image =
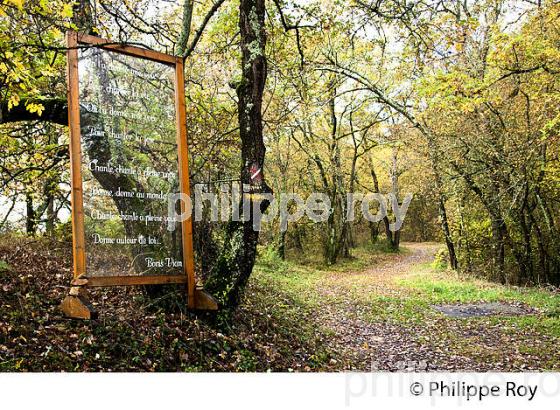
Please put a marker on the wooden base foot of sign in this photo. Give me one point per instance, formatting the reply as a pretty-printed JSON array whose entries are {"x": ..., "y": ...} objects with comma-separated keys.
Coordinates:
[
  {"x": 204, "y": 301},
  {"x": 77, "y": 306}
]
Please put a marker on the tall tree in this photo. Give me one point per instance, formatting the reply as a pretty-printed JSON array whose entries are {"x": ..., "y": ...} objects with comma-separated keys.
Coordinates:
[{"x": 237, "y": 257}]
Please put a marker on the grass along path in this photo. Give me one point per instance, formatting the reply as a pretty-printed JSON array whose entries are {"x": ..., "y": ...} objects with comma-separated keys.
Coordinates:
[{"x": 376, "y": 314}]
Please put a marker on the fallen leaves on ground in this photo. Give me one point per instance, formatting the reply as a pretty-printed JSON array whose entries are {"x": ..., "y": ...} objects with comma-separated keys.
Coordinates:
[{"x": 270, "y": 331}]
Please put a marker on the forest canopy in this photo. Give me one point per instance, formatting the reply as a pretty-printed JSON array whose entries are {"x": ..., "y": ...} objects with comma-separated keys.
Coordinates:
[{"x": 454, "y": 102}]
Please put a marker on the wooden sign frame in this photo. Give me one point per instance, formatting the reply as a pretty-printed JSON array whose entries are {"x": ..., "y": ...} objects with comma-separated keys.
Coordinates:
[{"x": 76, "y": 303}]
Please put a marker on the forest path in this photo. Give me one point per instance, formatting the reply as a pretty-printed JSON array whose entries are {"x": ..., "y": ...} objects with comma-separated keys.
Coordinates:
[{"x": 378, "y": 322}]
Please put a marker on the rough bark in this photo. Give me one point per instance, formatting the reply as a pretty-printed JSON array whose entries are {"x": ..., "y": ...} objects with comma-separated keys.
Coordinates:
[{"x": 237, "y": 258}]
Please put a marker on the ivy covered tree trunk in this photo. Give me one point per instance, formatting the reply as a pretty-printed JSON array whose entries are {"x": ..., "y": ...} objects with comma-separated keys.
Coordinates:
[{"x": 237, "y": 258}]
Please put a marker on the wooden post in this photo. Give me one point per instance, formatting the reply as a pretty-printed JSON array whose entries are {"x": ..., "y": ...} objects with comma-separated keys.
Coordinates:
[
  {"x": 183, "y": 156},
  {"x": 78, "y": 235},
  {"x": 76, "y": 303}
]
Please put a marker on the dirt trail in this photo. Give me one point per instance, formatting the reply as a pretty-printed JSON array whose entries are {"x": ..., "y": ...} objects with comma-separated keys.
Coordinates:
[
  {"x": 366, "y": 343},
  {"x": 381, "y": 345}
]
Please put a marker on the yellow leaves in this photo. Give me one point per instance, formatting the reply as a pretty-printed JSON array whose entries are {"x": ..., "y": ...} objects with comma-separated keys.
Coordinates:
[
  {"x": 35, "y": 108},
  {"x": 19, "y": 363},
  {"x": 13, "y": 101},
  {"x": 32, "y": 107},
  {"x": 55, "y": 32},
  {"x": 17, "y": 3},
  {"x": 67, "y": 11}
]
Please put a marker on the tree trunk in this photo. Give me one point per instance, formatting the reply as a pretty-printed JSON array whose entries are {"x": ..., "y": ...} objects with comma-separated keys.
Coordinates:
[
  {"x": 298, "y": 237},
  {"x": 340, "y": 224},
  {"x": 238, "y": 255},
  {"x": 374, "y": 232},
  {"x": 447, "y": 233},
  {"x": 396, "y": 237},
  {"x": 31, "y": 219},
  {"x": 386, "y": 222},
  {"x": 281, "y": 248}
]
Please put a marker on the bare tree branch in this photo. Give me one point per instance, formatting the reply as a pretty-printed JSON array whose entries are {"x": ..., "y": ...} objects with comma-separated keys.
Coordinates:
[{"x": 185, "y": 51}]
